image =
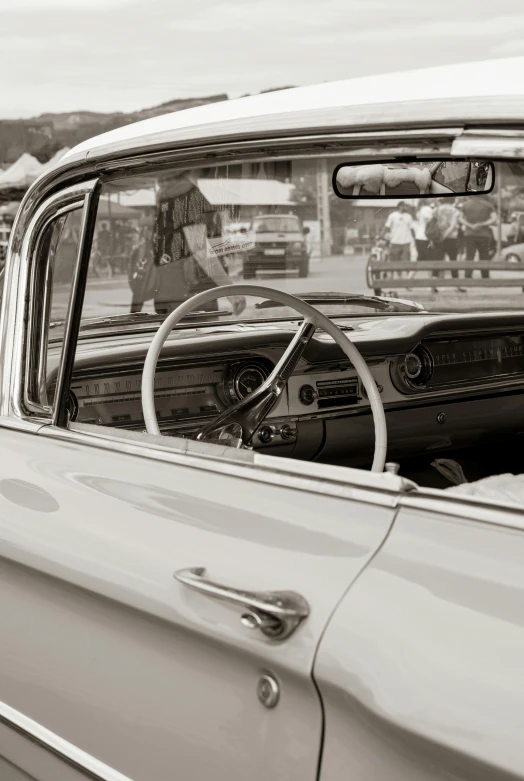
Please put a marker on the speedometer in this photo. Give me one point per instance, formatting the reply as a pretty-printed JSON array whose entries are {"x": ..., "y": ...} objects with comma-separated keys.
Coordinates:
[
  {"x": 245, "y": 378},
  {"x": 249, "y": 379}
]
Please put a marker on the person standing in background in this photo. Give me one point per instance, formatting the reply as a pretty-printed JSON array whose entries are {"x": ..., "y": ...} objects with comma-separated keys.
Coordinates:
[
  {"x": 401, "y": 229},
  {"x": 448, "y": 220},
  {"x": 515, "y": 233},
  {"x": 104, "y": 243},
  {"x": 478, "y": 215},
  {"x": 142, "y": 272},
  {"x": 424, "y": 215},
  {"x": 461, "y": 239}
]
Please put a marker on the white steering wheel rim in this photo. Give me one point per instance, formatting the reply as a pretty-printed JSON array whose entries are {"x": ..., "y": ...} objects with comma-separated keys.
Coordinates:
[{"x": 308, "y": 312}]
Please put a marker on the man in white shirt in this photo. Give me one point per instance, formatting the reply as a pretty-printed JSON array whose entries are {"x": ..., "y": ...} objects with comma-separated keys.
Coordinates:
[{"x": 401, "y": 228}]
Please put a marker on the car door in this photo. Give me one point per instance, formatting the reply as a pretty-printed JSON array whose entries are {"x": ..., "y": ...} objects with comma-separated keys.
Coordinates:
[
  {"x": 125, "y": 664},
  {"x": 420, "y": 670}
]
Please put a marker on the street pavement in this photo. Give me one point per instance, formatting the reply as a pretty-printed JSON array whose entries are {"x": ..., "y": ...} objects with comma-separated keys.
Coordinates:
[{"x": 340, "y": 273}]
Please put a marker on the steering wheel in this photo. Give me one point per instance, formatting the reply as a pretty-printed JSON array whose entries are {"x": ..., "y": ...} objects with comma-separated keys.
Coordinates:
[{"x": 248, "y": 413}]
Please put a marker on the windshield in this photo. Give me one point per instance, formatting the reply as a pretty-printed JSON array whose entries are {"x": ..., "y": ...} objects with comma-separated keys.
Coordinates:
[{"x": 162, "y": 236}]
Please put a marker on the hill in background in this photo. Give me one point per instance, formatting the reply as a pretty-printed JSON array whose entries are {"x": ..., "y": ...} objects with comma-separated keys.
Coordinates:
[{"x": 44, "y": 135}]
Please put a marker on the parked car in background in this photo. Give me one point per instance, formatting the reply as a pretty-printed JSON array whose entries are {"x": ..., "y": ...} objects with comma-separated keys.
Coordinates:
[
  {"x": 280, "y": 245},
  {"x": 513, "y": 253},
  {"x": 513, "y": 239}
]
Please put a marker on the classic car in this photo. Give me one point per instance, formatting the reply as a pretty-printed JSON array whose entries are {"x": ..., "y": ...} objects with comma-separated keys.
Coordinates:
[{"x": 257, "y": 530}]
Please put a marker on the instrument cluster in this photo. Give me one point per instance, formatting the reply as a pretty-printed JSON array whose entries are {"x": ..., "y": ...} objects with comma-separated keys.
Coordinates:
[{"x": 185, "y": 395}]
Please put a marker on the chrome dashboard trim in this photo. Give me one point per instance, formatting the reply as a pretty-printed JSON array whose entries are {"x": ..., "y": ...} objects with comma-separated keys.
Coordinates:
[{"x": 50, "y": 741}]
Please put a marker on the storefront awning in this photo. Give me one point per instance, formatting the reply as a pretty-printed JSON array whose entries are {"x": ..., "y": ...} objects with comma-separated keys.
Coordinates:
[{"x": 246, "y": 192}]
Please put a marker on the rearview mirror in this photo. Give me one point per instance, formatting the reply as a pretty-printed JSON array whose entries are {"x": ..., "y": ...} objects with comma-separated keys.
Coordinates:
[{"x": 414, "y": 179}]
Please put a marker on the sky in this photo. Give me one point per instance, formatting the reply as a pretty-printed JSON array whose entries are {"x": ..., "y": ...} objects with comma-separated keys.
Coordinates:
[{"x": 124, "y": 55}]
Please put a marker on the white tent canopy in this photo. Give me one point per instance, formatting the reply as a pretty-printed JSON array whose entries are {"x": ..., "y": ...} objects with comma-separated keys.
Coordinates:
[{"x": 22, "y": 173}]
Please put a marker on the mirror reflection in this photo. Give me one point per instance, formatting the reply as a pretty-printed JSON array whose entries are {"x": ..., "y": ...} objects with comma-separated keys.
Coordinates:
[{"x": 413, "y": 179}]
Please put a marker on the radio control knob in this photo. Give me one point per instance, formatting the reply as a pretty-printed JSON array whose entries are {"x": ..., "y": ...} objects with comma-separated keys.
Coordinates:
[
  {"x": 307, "y": 394},
  {"x": 413, "y": 366},
  {"x": 417, "y": 367},
  {"x": 286, "y": 432},
  {"x": 265, "y": 434}
]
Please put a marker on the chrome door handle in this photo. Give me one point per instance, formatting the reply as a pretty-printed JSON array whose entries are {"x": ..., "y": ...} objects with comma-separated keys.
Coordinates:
[{"x": 276, "y": 613}]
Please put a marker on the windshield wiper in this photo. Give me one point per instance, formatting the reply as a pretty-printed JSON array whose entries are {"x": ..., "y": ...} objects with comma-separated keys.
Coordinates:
[
  {"x": 383, "y": 303},
  {"x": 131, "y": 318}
]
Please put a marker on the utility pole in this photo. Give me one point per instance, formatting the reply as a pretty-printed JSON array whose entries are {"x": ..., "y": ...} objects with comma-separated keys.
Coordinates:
[
  {"x": 323, "y": 215},
  {"x": 499, "y": 205}
]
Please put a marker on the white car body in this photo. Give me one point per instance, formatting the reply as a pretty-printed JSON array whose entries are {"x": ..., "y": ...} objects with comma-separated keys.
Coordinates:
[{"x": 408, "y": 666}]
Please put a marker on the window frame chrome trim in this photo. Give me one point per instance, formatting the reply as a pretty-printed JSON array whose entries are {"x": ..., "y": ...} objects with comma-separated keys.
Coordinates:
[
  {"x": 72, "y": 755},
  {"x": 217, "y": 156},
  {"x": 76, "y": 302},
  {"x": 17, "y": 335},
  {"x": 37, "y": 332}
]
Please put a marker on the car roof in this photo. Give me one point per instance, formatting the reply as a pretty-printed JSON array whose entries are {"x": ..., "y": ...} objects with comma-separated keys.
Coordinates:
[{"x": 490, "y": 90}]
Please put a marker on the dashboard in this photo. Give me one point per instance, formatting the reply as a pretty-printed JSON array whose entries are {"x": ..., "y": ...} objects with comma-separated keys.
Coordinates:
[{"x": 434, "y": 365}]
